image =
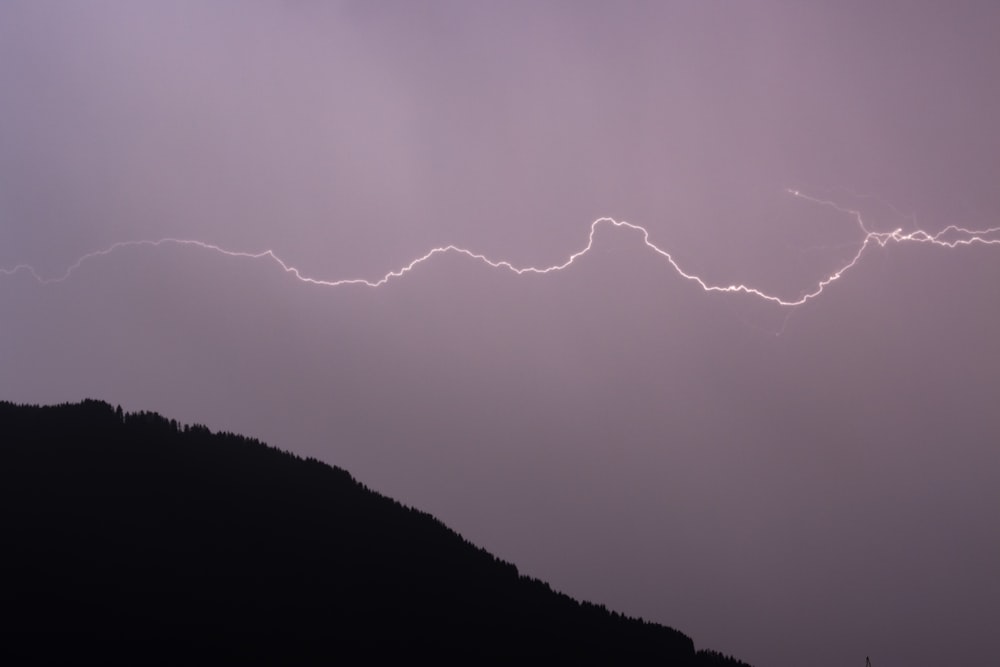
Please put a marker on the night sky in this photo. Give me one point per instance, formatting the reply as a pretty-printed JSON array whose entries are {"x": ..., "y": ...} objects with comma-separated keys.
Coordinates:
[{"x": 794, "y": 485}]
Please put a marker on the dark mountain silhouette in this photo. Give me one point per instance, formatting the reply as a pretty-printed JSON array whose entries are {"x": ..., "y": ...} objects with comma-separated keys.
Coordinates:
[{"x": 129, "y": 538}]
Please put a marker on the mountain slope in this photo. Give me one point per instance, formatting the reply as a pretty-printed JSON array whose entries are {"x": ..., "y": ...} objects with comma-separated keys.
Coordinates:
[{"x": 128, "y": 538}]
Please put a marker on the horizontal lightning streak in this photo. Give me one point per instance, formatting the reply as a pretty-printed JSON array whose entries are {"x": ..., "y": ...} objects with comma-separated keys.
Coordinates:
[{"x": 951, "y": 236}]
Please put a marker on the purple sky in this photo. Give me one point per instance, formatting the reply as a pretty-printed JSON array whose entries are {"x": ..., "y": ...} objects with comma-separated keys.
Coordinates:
[{"x": 806, "y": 498}]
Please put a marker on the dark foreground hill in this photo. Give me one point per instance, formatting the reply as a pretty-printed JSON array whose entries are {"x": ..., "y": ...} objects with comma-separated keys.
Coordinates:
[{"x": 129, "y": 539}]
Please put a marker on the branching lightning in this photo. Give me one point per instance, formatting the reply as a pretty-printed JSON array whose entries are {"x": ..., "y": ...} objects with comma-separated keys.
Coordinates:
[{"x": 951, "y": 237}]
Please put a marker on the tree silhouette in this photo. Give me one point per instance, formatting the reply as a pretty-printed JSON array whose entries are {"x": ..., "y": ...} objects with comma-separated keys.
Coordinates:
[{"x": 130, "y": 539}]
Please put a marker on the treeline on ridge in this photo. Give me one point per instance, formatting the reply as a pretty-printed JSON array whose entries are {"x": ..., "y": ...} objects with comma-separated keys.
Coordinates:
[{"x": 132, "y": 538}]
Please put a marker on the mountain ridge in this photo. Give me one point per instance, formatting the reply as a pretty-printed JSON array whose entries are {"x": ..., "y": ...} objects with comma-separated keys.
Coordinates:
[{"x": 131, "y": 537}]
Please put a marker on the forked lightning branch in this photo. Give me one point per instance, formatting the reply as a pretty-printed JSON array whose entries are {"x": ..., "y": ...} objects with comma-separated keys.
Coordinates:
[{"x": 951, "y": 238}]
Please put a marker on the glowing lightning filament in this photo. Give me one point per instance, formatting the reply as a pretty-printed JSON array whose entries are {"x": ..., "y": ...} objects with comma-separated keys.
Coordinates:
[{"x": 951, "y": 236}]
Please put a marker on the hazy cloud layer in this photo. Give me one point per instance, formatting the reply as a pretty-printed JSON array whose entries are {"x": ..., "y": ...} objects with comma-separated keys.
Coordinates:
[{"x": 807, "y": 498}]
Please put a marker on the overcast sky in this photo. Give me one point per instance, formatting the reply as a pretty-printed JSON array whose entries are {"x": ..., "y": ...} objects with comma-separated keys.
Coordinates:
[{"x": 800, "y": 486}]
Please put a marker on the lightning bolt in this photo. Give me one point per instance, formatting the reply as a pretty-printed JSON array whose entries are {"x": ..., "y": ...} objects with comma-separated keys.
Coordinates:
[{"x": 951, "y": 236}]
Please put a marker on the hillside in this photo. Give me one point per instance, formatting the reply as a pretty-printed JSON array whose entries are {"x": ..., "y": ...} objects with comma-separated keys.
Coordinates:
[{"x": 130, "y": 538}]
